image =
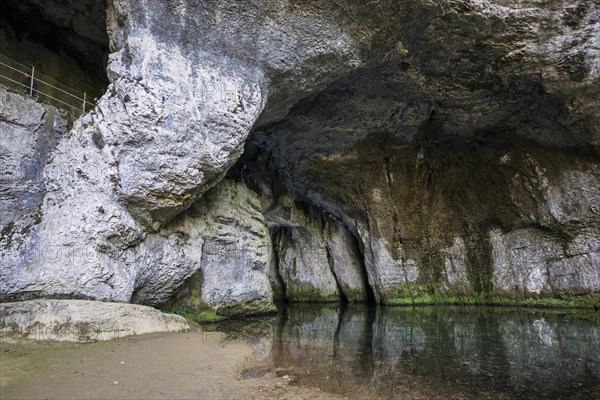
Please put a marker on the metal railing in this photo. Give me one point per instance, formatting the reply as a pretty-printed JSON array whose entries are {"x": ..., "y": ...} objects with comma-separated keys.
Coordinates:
[{"x": 25, "y": 79}]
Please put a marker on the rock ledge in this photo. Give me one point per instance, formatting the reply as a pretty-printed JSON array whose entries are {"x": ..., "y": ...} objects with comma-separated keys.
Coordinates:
[{"x": 82, "y": 321}]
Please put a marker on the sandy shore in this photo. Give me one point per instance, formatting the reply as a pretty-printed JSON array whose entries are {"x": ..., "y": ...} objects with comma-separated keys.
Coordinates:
[{"x": 193, "y": 365}]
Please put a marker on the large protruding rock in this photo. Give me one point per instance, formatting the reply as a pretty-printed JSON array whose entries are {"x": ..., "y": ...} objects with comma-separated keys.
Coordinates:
[
  {"x": 157, "y": 140},
  {"x": 186, "y": 86}
]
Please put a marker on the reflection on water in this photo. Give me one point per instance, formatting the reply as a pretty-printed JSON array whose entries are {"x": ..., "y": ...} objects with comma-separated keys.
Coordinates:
[{"x": 435, "y": 351}]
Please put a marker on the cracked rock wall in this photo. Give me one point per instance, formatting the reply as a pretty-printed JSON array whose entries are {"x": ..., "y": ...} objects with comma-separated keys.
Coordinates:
[{"x": 29, "y": 132}]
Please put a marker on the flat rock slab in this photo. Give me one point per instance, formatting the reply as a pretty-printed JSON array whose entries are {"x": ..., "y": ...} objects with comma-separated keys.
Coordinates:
[{"x": 82, "y": 321}]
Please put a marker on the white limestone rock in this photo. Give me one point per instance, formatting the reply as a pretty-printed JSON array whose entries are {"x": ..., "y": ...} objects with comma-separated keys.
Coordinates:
[
  {"x": 226, "y": 236},
  {"x": 28, "y": 133},
  {"x": 82, "y": 321},
  {"x": 346, "y": 262}
]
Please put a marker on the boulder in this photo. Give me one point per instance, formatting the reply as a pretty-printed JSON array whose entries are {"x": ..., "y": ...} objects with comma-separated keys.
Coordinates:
[{"x": 82, "y": 321}]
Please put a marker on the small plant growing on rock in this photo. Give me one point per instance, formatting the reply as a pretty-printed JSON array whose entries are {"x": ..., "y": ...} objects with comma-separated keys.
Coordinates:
[
  {"x": 202, "y": 316},
  {"x": 6, "y": 235}
]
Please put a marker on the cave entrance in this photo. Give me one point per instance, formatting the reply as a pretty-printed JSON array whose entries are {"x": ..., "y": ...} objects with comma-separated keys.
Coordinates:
[{"x": 63, "y": 44}]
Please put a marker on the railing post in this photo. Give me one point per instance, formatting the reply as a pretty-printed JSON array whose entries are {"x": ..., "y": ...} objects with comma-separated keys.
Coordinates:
[
  {"x": 23, "y": 77},
  {"x": 31, "y": 82}
]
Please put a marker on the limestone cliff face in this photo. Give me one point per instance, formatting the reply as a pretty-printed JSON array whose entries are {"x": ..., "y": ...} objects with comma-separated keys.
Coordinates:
[
  {"x": 232, "y": 249},
  {"x": 388, "y": 150},
  {"x": 30, "y": 131},
  {"x": 491, "y": 221}
]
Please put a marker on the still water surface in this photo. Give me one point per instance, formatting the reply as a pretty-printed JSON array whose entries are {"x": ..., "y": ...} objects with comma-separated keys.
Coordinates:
[{"x": 433, "y": 352}]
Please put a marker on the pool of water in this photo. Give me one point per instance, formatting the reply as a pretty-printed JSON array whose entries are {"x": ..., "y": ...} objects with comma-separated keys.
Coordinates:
[{"x": 431, "y": 352}]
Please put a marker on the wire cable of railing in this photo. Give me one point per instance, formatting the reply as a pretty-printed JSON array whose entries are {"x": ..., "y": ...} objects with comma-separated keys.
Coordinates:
[{"x": 24, "y": 78}]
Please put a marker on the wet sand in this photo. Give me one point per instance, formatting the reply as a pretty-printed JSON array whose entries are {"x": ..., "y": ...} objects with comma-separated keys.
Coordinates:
[{"x": 193, "y": 365}]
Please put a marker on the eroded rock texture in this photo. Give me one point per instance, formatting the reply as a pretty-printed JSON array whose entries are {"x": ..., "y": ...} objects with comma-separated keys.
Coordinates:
[
  {"x": 29, "y": 133},
  {"x": 232, "y": 248},
  {"x": 392, "y": 148}
]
